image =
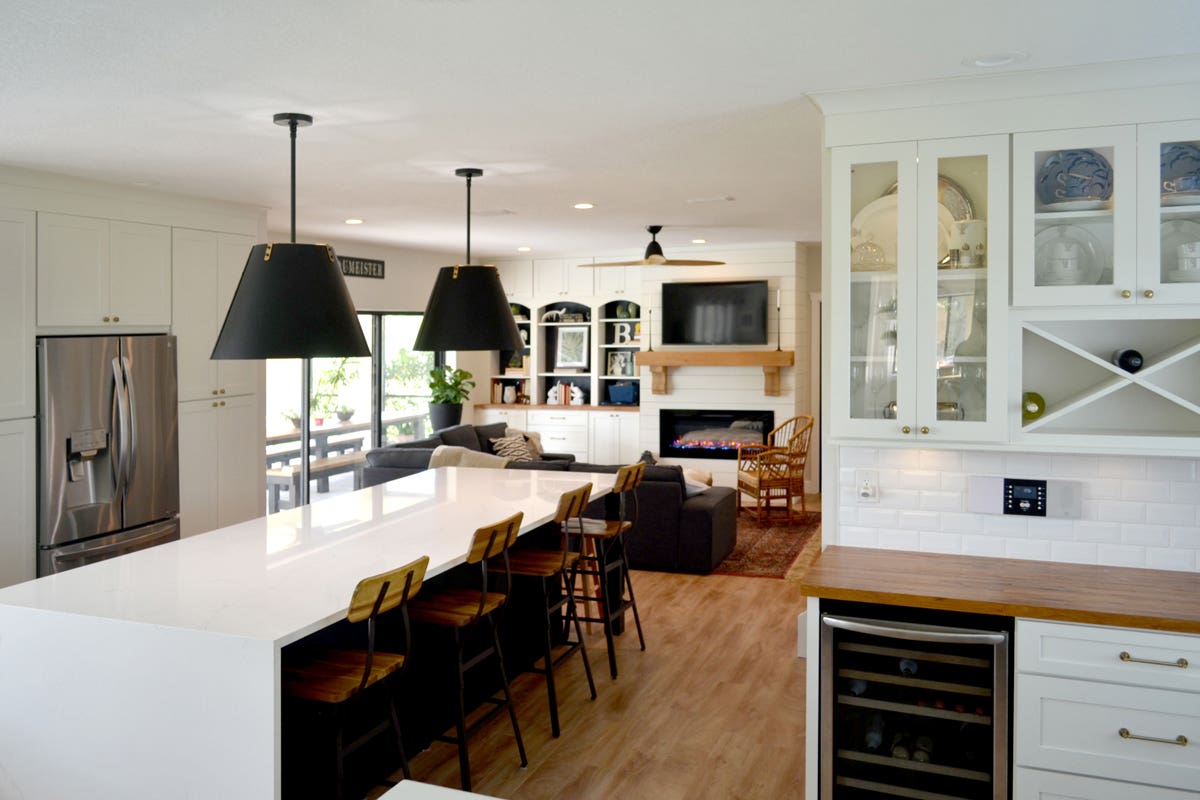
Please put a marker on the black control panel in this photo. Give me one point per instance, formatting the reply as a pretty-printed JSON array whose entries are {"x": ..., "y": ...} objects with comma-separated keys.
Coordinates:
[{"x": 1024, "y": 497}]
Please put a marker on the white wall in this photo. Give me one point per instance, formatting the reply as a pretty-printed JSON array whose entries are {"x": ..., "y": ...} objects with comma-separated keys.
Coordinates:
[{"x": 1137, "y": 511}]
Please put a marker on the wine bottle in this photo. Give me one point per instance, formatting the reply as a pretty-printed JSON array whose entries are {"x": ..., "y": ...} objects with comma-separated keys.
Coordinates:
[
  {"x": 1033, "y": 405},
  {"x": 922, "y": 749},
  {"x": 1128, "y": 360},
  {"x": 901, "y": 745},
  {"x": 908, "y": 667},
  {"x": 858, "y": 687},
  {"x": 873, "y": 738}
]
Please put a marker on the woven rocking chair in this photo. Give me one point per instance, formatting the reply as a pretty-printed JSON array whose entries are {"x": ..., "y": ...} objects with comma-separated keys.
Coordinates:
[{"x": 775, "y": 470}]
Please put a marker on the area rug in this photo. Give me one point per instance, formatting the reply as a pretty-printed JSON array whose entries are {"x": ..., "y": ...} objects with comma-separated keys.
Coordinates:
[{"x": 769, "y": 550}]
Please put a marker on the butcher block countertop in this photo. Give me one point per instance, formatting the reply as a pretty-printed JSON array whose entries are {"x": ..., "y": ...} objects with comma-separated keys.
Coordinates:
[{"x": 1133, "y": 598}]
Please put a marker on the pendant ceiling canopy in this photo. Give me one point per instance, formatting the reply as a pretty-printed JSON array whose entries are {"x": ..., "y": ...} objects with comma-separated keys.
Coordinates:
[{"x": 654, "y": 256}]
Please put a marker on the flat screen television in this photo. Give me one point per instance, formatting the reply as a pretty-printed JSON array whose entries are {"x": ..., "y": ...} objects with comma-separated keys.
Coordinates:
[{"x": 732, "y": 312}]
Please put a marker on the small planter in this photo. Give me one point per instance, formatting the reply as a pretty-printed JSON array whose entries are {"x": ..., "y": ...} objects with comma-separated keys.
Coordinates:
[
  {"x": 345, "y": 416},
  {"x": 443, "y": 415},
  {"x": 318, "y": 421}
]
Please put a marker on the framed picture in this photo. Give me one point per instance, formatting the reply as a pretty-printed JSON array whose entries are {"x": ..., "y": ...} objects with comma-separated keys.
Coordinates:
[
  {"x": 620, "y": 362},
  {"x": 572, "y": 346}
]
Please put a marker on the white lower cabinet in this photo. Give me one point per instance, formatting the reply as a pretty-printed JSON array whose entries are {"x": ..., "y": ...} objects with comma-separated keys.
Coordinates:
[
  {"x": 18, "y": 505},
  {"x": 613, "y": 437},
  {"x": 1117, "y": 704},
  {"x": 513, "y": 417},
  {"x": 562, "y": 431},
  {"x": 1035, "y": 784},
  {"x": 222, "y": 468}
]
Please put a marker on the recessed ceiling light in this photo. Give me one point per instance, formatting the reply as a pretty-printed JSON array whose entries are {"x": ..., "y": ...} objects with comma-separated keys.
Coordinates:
[
  {"x": 699, "y": 241},
  {"x": 584, "y": 206},
  {"x": 524, "y": 249},
  {"x": 354, "y": 222},
  {"x": 992, "y": 60}
]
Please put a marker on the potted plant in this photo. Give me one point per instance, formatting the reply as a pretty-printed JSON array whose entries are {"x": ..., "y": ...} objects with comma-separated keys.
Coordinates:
[
  {"x": 448, "y": 389},
  {"x": 293, "y": 417},
  {"x": 344, "y": 413}
]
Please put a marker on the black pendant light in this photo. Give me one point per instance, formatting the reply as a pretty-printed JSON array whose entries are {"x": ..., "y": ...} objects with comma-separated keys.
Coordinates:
[
  {"x": 468, "y": 309},
  {"x": 292, "y": 301}
]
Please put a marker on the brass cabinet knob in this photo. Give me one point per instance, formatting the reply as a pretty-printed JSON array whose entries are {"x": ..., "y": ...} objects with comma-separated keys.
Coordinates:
[
  {"x": 106, "y": 319},
  {"x": 116, "y": 319},
  {"x": 222, "y": 402},
  {"x": 222, "y": 391},
  {"x": 924, "y": 429},
  {"x": 906, "y": 429},
  {"x": 214, "y": 391},
  {"x": 1126, "y": 293},
  {"x": 1148, "y": 294},
  {"x": 214, "y": 403}
]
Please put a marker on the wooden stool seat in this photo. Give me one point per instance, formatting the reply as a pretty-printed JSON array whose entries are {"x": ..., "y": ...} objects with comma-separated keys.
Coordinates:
[
  {"x": 332, "y": 676},
  {"x": 454, "y": 608},
  {"x": 539, "y": 563},
  {"x": 605, "y": 528}
]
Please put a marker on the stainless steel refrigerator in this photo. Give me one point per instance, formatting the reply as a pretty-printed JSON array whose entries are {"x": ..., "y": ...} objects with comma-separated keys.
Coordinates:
[{"x": 108, "y": 447}]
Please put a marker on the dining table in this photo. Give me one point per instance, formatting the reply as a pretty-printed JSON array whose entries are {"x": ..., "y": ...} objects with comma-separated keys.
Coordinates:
[
  {"x": 157, "y": 673},
  {"x": 333, "y": 437}
]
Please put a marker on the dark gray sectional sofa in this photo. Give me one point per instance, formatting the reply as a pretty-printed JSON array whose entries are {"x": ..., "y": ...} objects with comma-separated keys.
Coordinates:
[{"x": 674, "y": 532}]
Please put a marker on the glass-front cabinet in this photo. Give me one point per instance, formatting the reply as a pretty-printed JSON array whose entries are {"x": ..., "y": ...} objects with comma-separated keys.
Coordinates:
[
  {"x": 1169, "y": 212},
  {"x": 920, "y": 259}
]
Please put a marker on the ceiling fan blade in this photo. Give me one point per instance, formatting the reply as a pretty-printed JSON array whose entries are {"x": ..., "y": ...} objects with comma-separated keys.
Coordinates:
[
  {"x": 680, "y": 262},
  {"x": 616, "y": 264}
]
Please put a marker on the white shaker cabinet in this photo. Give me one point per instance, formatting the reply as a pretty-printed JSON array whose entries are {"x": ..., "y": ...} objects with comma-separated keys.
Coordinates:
[
  {"x": 563, "y": 431},
  {"x": 618, "y": 281},
  {"x": 97, "y": 273},
  {"x": 18, "y": 245},
  {"x": 517, "y": 278},
  {"x": 613, "y": 437},
  {"x": 207, "y": 269},
  {"x": 222, "y": 467},
  {"x": 18, "y": 522},
  {"x": 1168, "y": 213},
  {"x": 515, "y": 417},
  {"x": 562, "y": 278}
]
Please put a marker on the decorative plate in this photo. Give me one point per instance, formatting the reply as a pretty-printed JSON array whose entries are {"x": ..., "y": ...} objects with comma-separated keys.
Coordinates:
[
  {"x": 1174, "y": 232},
  {"x": 1183, "y": 276},
  {"x": 950, "y": 195},
  {"x": 1179, "y": 159},
  {"x": 1181, "y": 198},
  {"x": 1059, "y": 243},
  {"x": 1076, "y": 205},
  {"x": 1074, "y": 175},
  {"x": 878, "y": 222}
]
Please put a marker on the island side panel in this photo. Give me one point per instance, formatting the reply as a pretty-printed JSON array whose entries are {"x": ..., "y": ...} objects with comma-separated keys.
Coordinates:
[{"x": 97, "y": 707}]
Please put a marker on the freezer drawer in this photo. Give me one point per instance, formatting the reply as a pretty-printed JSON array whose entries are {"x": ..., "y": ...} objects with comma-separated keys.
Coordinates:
[{"x": 60, "y": 559}]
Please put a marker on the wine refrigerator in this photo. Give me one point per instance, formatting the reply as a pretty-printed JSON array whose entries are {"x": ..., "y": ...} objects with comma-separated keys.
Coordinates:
[{"x": 912, "y": 708}]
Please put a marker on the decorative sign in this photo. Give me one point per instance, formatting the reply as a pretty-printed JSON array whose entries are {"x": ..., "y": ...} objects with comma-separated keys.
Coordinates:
[{"x": 361, "y": 267}]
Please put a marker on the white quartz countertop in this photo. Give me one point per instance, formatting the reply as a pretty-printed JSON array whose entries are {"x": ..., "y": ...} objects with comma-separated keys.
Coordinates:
[{"x": 279, "y": 577}]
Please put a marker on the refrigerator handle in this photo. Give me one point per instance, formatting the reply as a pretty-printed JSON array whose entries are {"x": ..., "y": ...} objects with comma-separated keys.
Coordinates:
[
  {"x": 131, "y": 388},
  {"x": 123, "y": 422},
  {"x": 923, "y": 633}
]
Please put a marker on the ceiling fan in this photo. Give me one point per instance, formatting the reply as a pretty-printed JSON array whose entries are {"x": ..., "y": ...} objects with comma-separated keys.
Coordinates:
[{"x": 654, "y": 256}]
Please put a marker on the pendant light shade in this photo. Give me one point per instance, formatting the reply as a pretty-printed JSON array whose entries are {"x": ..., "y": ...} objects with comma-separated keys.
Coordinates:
[
  {"x": 292, "y": 301},
  {"x": 467, "y": 309}
]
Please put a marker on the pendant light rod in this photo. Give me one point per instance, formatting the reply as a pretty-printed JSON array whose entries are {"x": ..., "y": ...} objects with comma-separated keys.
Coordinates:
[
  {"x": 468, "y": 173},
  {"x": 293, "y": 121}
]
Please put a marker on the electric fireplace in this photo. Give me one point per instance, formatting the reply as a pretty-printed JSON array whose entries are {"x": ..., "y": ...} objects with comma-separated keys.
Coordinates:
[{"x": 710, "y": 433}]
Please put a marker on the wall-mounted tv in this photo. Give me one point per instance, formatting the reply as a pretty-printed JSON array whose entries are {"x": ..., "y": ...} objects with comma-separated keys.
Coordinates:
[{"x": 731, "y": 312}]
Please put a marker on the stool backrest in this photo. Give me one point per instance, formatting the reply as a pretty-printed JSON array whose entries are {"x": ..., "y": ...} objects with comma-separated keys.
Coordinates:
[
  {"x": 387, "y": 590},
  {"x": 492, "y": 540},
  {"x": 629, "y": 477},
  {"x": 572, "y": 503}
]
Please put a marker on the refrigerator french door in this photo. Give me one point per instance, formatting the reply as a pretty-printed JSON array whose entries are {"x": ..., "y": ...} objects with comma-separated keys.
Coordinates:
[
  {"x": 108, "y": 447},
  {"x": 910, "y": 709}
]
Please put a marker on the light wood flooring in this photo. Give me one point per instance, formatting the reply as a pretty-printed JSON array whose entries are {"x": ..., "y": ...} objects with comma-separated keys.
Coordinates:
[{"x": 714, "y": 708}]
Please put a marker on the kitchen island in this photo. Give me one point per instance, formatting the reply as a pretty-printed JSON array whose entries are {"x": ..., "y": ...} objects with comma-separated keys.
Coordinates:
[{"x": 156, "y": 674}]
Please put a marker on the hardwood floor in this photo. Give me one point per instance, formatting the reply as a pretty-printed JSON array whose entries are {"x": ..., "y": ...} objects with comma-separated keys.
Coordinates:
[{"x": 713, "y": 709}]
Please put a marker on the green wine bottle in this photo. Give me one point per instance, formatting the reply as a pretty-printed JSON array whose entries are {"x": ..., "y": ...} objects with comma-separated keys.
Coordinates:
[{"x": 1033, "y": 405}]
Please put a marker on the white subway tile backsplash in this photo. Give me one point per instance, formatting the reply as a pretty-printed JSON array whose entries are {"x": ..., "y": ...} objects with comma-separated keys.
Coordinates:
[
  {"x": 1136, "y": 511},
  {"x": 1128, "y": 467},
  {"x": 1171, "y": 469}
]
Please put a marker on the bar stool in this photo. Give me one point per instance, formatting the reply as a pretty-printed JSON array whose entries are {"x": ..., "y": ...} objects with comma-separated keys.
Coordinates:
[
  {"x": 461, "y": 610},
  {"x": 330, "y": 677},
  {"x": 550, "y": 568},
  {"x": 604, "y": 553}
]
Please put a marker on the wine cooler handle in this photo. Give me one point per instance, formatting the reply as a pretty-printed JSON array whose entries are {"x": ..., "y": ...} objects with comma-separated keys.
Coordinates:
[{"x": 921, "y": 633}]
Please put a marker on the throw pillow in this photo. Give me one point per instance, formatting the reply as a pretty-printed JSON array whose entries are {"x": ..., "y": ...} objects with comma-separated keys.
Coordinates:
[
  {"x": 534, "y": 438},
  {"x": 514, "y": 447}
]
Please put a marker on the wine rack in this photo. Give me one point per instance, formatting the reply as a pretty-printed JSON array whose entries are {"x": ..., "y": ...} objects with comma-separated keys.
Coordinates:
[{"x": 913, "y": 710}]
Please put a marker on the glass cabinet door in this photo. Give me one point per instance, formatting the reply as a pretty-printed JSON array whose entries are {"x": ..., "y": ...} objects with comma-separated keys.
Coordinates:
[
  {"x": 1169, "y": 213},
  {"x": 962, "y": 301},
  {"x": 872, "y": 238},
  {"x": 1074, "y": 218}
]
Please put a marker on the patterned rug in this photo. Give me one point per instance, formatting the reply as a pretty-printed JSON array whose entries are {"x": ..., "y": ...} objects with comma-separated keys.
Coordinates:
[{"x": 767, "y": 551}]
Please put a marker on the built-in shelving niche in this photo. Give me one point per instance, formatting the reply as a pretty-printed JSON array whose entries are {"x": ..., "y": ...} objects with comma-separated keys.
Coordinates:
[{"x": 1068, "y": 363}]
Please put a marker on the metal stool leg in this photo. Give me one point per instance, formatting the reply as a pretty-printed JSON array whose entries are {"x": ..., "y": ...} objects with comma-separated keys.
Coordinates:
[{"x": 512, "y": 712}]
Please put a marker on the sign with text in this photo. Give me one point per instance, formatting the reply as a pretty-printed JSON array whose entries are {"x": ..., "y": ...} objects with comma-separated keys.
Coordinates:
[{"x": 361, "y": 267}]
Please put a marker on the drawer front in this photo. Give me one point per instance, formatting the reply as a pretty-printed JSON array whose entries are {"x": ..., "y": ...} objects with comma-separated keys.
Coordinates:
[
  {"x": 542, "y": 420},
  {"x": 1074, "y": 726},
  {"x": 568, "y": 440},
  {"x": 1034, "y": 784},
  {"x": 514, "y": 419},
  {"x": 1093, "y": 652}
]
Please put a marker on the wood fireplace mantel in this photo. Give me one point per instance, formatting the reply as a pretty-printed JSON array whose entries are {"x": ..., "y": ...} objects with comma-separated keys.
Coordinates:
[{"x": 659, "y": 361}]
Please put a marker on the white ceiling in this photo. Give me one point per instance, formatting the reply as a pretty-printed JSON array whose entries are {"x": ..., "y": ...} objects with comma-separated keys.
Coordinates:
[{"x": 642, "y": 107}]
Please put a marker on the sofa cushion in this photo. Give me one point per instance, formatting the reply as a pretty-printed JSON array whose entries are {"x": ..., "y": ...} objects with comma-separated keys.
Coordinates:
[
  {"x": 547, "y": 465},
  {"x": 460, "y": 436},
  {"x": 485, "y": 433},
  {"x": 414, "y": 458},
  {"x": 428, "y": 442},
  {"x": 513, "y": 447}
]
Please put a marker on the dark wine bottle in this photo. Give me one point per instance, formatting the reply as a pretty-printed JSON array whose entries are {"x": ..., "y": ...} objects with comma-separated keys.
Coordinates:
[
  {"x": 922, "y": 749},
  {"x": 1033, "y": 405},
  {"x": 902, "y": 745},
  {"x": 908, "y": 667},
  {"x": 1128, "y": 360},
  {"x": 873, "y": 738}
]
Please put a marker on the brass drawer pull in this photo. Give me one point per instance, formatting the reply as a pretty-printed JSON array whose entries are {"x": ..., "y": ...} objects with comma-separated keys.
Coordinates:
[
  {"x": 1182, "y": 663},
  {"x": 1180, "y": 740}
]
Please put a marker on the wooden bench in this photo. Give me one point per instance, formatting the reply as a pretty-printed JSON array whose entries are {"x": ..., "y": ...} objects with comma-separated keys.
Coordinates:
[
  {"x": 283, "y": 457},
  {"x": 288, "y": 476}
]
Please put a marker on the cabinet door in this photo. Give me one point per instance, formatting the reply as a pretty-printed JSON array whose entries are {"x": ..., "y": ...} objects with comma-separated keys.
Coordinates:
[
  {"x": 962, "y": 303},
  {"x": 18, "y": 471},
  {"x": 199, "y": 458},
  {"x": 1074, "y": 217},
  {"x": 233, "y": 376},
  {"x": 1036, "y": 784},
  {"x": 517, "y": 278},
  {"x": 18, "y": 242},
  {"x": 241, "y": 470},
  {"x": 194, "y": 300},
  {"x": 72, "y": 270},
  {"x": 612, "y": 281},
  {"x": 872, "y": 240},
  {"x": 1169, "y": 213},
  {"x": 613, "y": 437},
  {"x": 550, "y": 278},
  {"x": 139, "y": 279},
  {"x": 580, "y": 277}
]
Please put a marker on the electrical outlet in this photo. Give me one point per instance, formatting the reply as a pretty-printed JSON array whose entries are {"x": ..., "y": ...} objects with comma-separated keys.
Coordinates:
[{"x": 866, "y": 485}]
